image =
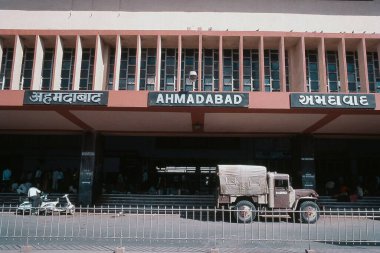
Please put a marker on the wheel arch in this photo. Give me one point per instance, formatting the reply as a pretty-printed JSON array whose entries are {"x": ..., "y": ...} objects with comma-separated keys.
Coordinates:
[{"x": 299, "y": 202}]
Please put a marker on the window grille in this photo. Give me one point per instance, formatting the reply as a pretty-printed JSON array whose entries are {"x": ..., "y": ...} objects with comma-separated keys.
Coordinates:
[
  {"x": 67, "y": 69},
  {"x": 27, "y": 69},
  {"x": 6, "y": 69}
]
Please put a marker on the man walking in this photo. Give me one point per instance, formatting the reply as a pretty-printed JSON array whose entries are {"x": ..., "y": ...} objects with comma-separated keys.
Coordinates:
[{"x": 34, "y": 197}]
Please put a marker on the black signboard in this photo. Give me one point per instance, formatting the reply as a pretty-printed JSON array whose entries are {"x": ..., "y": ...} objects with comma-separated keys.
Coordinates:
[
  {"x": 213, "y": 99},
  {"x": 317, "y": 100},
  {"x": 65, "y": 97}
]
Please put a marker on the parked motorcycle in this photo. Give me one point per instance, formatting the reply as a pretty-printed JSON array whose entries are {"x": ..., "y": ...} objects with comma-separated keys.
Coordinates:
[{"x": 48, "y": 206}]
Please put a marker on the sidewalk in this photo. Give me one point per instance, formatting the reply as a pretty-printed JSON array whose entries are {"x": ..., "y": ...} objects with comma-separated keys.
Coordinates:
[{"x": 259, "y": 247}]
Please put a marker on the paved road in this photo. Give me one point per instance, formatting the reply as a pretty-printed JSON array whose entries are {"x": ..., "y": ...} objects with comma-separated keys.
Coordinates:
[{"x": 185, "y": 232}]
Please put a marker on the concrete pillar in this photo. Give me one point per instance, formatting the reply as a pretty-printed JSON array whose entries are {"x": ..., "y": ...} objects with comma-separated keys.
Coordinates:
[
  {"x": 57, "y": 68},
  {"x": 281, "y": 52},
  {"x": 363, "y": 67},
  {"x": 303, "y": 150},
  {"x": 100, "y": 64},
  {"x": 342, "y": 66},
  {"x": 158, "y": 64},
  {"x": 1, "y": 52},
  {"x": 138, "y": 63},
  {"x": 179, "y": 63},
  {"x": 297, "y": 67},
  {"x": 77, "y": 63},
  {"x": 37, "y": 64},
  {"x": 17, "y": 63},
  {"x": 87, "y": 168},
  {"x": 116, "y": 74},
  {"x": 261, "y": 64},
  {"x": 241, "y": 67},
  {"x": 322, "y": 66},
  {"x": 220, "y": 63},
  {"x": 199, "y": 63}
]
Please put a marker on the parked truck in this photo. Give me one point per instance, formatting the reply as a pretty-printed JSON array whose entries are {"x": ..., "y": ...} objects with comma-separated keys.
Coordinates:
[{"x": 249, "y": 190}]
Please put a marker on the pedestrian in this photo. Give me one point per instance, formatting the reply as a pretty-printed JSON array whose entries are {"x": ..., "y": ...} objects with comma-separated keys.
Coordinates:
[
  {"x": 34, "y": 196},
  {"x": 7, "y": 174}
]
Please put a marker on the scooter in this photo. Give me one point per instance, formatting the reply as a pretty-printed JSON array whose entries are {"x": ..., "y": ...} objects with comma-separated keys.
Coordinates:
[{"x": 48, "y": 206}]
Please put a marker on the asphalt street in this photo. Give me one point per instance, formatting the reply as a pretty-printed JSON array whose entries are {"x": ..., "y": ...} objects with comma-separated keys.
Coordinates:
[{"x": 184, "y": 232}]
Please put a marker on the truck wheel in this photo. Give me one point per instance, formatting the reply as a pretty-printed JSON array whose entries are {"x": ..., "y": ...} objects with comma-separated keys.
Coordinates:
[
  {"x": 245, "y": 211},
  {"x": 309, "y": 212}
]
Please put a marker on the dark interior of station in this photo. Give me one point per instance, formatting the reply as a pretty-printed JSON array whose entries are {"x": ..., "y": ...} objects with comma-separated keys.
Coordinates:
[{"x": 181, "y": 165}]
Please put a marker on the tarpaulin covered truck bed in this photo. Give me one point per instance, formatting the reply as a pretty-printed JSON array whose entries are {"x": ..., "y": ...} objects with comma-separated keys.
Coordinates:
[{"x": 242, "y": 179}]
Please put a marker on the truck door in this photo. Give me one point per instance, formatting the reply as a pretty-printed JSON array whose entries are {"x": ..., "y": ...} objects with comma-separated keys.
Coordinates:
[{"x": 281, "y": 193}]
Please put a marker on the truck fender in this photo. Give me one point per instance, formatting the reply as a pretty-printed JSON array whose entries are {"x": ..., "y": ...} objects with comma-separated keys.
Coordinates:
[{"x": 298, "y": 202}]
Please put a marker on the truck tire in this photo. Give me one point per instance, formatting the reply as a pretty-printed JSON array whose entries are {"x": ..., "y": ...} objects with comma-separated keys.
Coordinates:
[
  {"x": 245, "y": 211},
  {"x": 309, "y": 212}
]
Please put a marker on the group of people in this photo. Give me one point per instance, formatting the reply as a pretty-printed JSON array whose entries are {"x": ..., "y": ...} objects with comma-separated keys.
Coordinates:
[
  {"x": 57, "y": 180},
  {"x": 351, "y": 192}
]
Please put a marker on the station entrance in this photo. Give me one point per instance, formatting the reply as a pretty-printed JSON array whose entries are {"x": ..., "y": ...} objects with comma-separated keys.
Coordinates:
[{"x": 182, "y": 165}]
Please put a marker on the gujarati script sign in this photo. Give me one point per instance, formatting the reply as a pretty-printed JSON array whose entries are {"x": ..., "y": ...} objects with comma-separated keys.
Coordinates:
[{"x": 317, "y": 100}]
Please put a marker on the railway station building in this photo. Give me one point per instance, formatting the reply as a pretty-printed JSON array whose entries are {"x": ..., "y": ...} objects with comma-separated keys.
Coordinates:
[{"x": 150, "y": 96}]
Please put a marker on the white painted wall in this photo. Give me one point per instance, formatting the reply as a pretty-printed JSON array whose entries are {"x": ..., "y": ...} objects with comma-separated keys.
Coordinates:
[{"x": 266, "y": 15}]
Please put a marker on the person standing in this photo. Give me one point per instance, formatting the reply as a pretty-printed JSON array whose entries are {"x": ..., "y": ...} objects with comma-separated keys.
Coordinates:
[
  {"x": 7, "y": 174},
  {"x": 34, "y": 197}
]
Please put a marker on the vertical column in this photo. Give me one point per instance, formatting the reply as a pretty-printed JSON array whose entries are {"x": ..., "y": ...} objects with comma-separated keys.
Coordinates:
[
  {"x": 322, "y": 66},
  {"x": 99, "y": 65},
  {"x": 220, "y": 63},
  {"x": 303, "y": 157},
  {"x": 57, "y": 69},
  {"x": 299, "y": 66},
  {"x": 241, "y": 63},
  {"x": 261, "y": 64},
  {"x": 158, "y": 63},
  {"x": 87, "y": 168},
  {"x": 378, "y": 51},
  {"x": 37, "y": 63},
  {"x": 116, "y": 72},
  {"x": 17, "y": 63},
  {"x": 281, "y": 51},
  {"x": 200, "y": 46},
  {"x": 179, "y": 60},
  {"x": 363, "y": 67},
  {"x": 1, "y": 52},
  {"x": 78, "y": 63},
  {"x": 138, "y": 63},
  {"x": 342, "y": 66},
  {"x": 106, "y": 62}
]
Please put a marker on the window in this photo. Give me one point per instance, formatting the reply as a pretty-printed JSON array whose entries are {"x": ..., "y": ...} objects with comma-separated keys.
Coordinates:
[
  {"x": 148, "y": 69},
  {"x": 6, "y": 68},
  {"x": 47, "y": 69},
  {"x": 312, "y": 75},
  {"x": 251, "y": 70},
  {"x": 169, "y": 66},
  {"x": 353, "y": 71},
  {"x": 281, "y": 183},
  {"x": 332, "y": 67},
  {"x": 27, "y": 68},
  {"x": 189, "y": 63},
  {"x": 127, "y": 69},
  {"x": 373, "y": 72},
  {"x": 67, "y": 69},
  {"x": 111, "y": 69},
  {"x": 87, "y": 69},
  {"x": 271, "y": 70},
  {"x": 231, "y": 70}
]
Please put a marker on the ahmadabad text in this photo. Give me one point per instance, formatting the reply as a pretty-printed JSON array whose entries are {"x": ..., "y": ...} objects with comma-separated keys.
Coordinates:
[{"x": 200, "y": 99}]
